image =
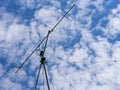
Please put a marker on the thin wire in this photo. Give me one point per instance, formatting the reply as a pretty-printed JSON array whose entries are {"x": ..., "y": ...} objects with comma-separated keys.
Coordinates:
[
  {"x": 64, "y": 79},
  {"x": 53, "y": 85},
  {"x": 5, "y": 73},
  {"x": 99, "y": 63},
  {"x": 16, "y": 81},
  {"x": 7, "y": 70},
  {"x": 56, "y": 26},
  {"x": 109, "y": 80},
  {"x": 89, "y": 70},
  {"x": 30, "y": 55},
  {"x": 78, "y": 7},
  {"x": 14, "y": 84},
  {"x": 68, "y": 81},
  {"x": 62, "y": 17},
  {"x": 113, "y": 61},
  {"x": 44, "y": 39}
]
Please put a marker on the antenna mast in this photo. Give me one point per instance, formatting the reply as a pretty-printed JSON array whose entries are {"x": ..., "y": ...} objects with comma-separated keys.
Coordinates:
[{"x": 43, "y": 59}]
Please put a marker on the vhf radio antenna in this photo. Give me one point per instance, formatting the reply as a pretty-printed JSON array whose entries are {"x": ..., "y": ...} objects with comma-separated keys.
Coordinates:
[{"x": 43, "y": 59}]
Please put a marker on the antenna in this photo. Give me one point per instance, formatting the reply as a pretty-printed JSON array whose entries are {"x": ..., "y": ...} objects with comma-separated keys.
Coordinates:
[{"x": 43, "y": 59}]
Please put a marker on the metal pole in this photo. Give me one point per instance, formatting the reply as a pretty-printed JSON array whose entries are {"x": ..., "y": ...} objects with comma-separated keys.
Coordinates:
[
  {"x": 38, "y": 75},
  {"x": 46, "y": 77},
  {"x": 44, "y": 39}
]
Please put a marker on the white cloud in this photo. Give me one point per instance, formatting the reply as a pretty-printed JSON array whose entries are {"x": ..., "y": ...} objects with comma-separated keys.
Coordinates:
[
  {"x": 98, "y": 4},
  {"x": 116, "y": 23},
  {"x": 27, "y": 3},
  {"x": 101, "y": 47},
  {"x": 1, "y": 70},
  {"x": 116, "y": 51},
  {"x": 55, "y": 3},
  {"x": 113, "y": 25},
  {"x": 46, "y": 14},
  {"x": 9, "y": 85},
  {"x": 71, "y": 68},
  {"x": 83, "y": 4}
]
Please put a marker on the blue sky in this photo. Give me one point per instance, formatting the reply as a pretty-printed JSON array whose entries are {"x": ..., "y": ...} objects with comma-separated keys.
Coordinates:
[{"x": 80, "y": 54}]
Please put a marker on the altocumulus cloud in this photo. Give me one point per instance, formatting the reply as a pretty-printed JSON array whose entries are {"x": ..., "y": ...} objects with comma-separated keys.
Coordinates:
[{"x": 82, "y": 53}]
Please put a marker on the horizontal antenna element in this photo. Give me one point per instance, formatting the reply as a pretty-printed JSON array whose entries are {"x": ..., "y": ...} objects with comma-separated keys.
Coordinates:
[
  {"x": 43, "y": 59},
  {"x": 43, "y": 39}
]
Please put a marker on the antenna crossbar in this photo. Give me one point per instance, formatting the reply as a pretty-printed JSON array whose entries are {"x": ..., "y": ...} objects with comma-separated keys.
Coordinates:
[{"x": 43, "y": 59}]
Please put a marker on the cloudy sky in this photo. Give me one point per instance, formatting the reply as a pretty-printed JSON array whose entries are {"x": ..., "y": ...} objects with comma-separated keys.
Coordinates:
[{"x": 82, "y": 52}]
